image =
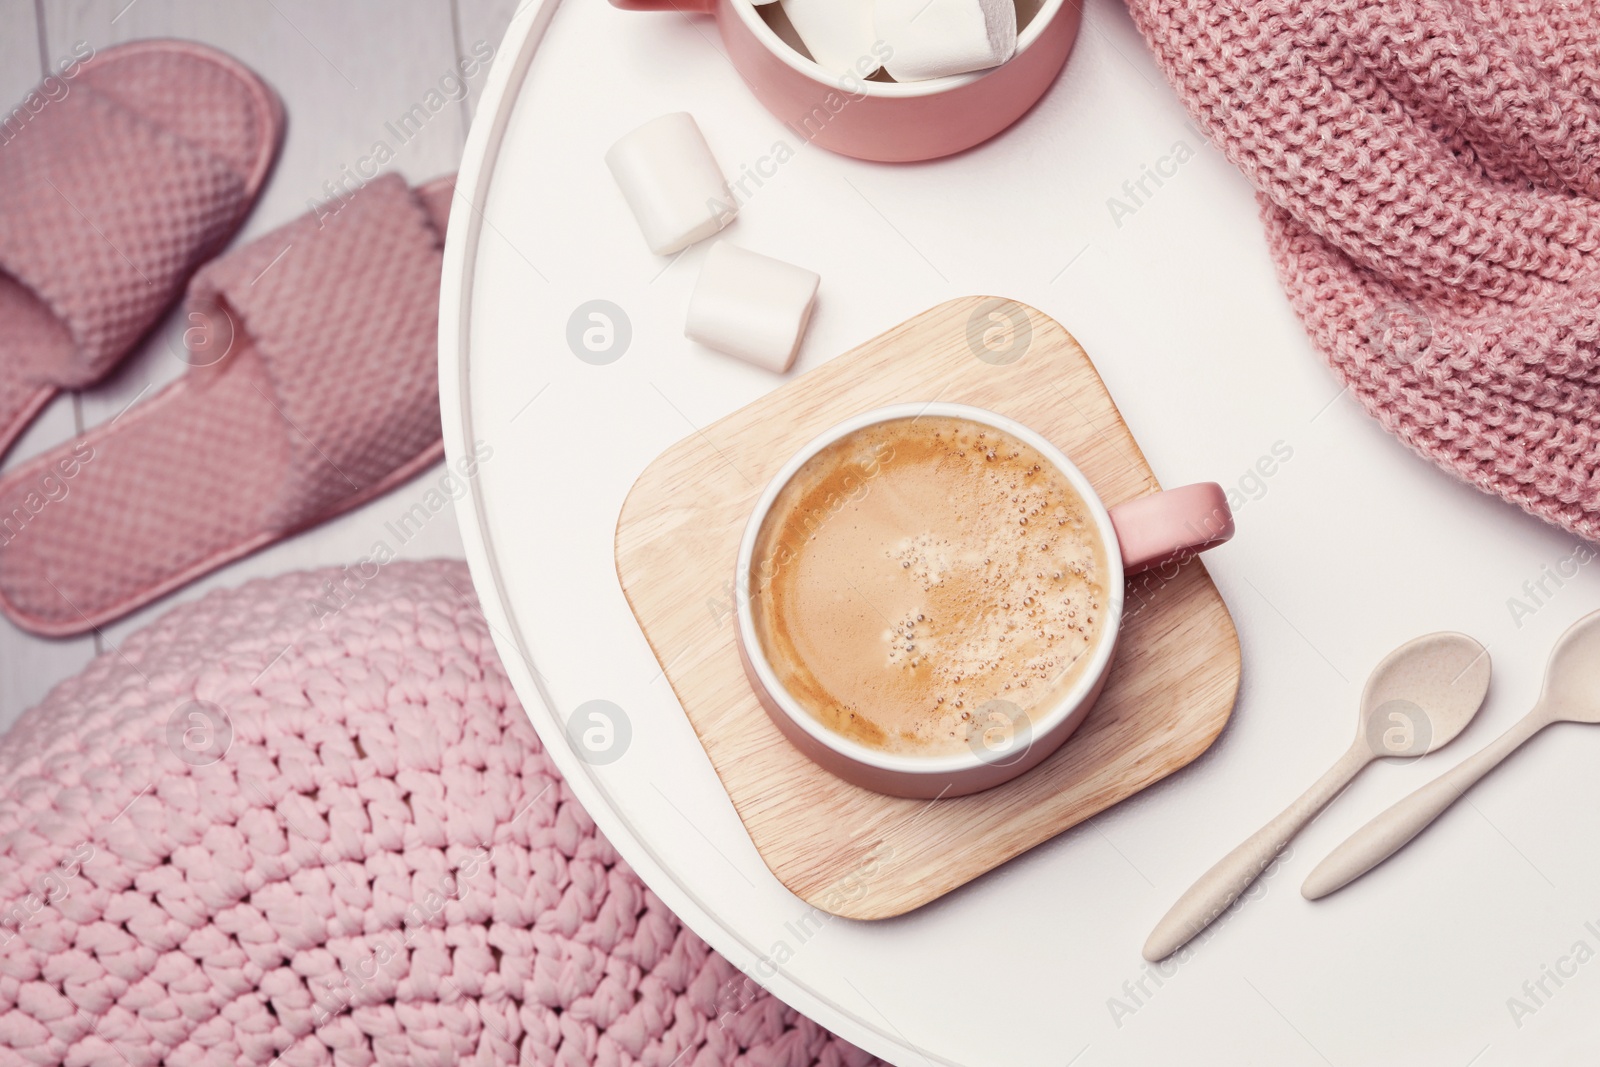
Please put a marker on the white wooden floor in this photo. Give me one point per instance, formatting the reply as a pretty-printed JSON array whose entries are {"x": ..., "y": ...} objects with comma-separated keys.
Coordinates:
[{"x": 343, "y": 68}]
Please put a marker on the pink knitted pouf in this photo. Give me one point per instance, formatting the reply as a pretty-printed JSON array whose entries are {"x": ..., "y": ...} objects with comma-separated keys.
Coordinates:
[
  {"x": 307, "y": 823},
  {"x": 1429, "y": 172}
]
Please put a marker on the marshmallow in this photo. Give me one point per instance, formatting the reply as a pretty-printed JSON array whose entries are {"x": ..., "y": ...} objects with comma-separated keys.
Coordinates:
[
  {"x": 837, "y": 33},
  {"x": 751, "y": 306},
  {"x": 672, "y": 182},
  {"x": 936, "y": 38}
]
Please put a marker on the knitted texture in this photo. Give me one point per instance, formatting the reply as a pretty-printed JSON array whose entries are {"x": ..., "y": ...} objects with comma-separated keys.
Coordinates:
[
  {"x": 117, "y": 179},
  {"x": 1427, "y": 174},
  {"x": 306, "y": 822},
  {"x": 344, "y": 315},
  {"x": 323, "y": 391}
]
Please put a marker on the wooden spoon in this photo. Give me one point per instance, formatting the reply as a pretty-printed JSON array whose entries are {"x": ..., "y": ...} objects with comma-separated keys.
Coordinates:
[
  {"x": 1571, "y": 694},
  {"x": 1420, "y": 697}
]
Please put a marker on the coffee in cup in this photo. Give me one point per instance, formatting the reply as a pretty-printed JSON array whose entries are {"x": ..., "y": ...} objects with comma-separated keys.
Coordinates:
[
  {"x": 919, "y": 572},
  {"x": 929, "y": 596}
]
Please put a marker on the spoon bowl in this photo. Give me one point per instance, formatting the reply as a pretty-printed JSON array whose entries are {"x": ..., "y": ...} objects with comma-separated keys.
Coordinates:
[
  {"x": 1572, "y": 679},
  {"x": 1423, "y": 695}
]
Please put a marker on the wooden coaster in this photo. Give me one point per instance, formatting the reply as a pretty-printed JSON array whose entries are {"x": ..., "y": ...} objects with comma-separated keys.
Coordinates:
[{"x": 844, "y": 849}]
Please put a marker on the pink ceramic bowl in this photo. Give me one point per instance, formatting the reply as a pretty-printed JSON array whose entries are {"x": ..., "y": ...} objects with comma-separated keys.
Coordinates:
[
  {"x": 1140, "y": 534},
  {"x": 893, "y": 122}
]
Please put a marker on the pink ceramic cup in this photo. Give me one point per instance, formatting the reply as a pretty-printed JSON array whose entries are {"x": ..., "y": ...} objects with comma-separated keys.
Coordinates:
[
  {"x": 888, "y": 121},
  {"x": 1147, "y": 532}
]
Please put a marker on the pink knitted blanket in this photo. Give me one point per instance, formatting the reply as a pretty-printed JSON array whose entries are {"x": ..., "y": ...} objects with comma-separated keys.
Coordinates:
[
  {"x": 306, "y": 822},
  {"x": 1429, "y": 174}
]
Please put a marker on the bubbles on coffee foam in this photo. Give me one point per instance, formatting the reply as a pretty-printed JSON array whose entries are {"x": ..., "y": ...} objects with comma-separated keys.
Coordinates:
[
  {"x": 990, "y": 571},
  {"x": 1016, "y": 610}
]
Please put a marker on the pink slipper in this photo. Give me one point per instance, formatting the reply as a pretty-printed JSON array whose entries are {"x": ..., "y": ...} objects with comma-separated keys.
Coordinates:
[
  {"x": 320, "y": 391},
  {"x": 137, "y": 166}
]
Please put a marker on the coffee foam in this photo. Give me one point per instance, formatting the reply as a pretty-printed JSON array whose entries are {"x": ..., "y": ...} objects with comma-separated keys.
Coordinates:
[{"x": 917, "y": 570}]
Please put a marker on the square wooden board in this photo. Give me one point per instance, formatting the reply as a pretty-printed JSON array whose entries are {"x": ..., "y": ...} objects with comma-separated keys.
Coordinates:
[{"x": 841, "y": 848}]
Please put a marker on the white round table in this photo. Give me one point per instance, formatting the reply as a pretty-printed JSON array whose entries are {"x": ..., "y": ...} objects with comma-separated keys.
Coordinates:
[{"x": 1347, "y": 547}]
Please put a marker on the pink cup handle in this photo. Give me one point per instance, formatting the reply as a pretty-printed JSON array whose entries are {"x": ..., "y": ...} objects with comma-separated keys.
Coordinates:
[{"x": 1171, "y": 526}]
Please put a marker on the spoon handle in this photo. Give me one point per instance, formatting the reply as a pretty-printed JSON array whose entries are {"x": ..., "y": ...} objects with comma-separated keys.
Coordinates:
[
  {"x": 1219, "y": 887},
  {"x": 1389, "y": 832}
]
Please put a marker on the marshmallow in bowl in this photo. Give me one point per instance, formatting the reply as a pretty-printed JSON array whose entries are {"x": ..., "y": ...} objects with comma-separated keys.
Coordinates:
[
  {"x": 837, "y": 33},
  {"x": 937, "y": 38}
]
